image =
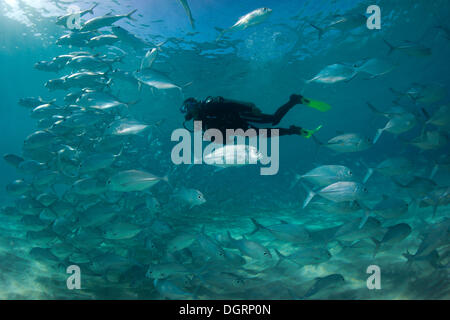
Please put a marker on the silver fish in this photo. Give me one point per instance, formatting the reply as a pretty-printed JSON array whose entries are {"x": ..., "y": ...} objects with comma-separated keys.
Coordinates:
[
  {"x": 327, "y": 174},
  {"x": 339, "y": 192},
  {"x": 133, "y": 180},
  {"x": 104, "y": 21},
  {"x": 185, "y": 5},
  {"x": 285, "y": 231},
  {"x": 250, "y": 19}
]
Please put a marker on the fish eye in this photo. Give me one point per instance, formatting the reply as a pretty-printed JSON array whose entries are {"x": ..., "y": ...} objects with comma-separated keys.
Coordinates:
[
  {"x": 109, "y": 182},
  {"x": 350, "y": 173}
]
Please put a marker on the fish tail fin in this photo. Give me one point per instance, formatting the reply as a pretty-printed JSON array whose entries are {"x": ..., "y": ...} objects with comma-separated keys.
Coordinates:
[
  {"x": 257, "y": 225},
  {"x": 408, "y": 256},
  {"x": 133, "y": 102},
  {"x": 374, "y": 110},
  {"x": 413, "y": 206},
  {"x": 320, "y": 143},
  {"x": 377, "y": 246},
  {"x": 166, "y": 177},
  {"x": 309, "y": 197},
  {"x": 222, "y": 32},
  {"x": 396, "y": 92},
  {"x": 396, "y": 182},
  {"x": 435, "y": 207},
  {"x": 434, "y": 171},
  {"x": 295, "y": 181},
  {"x": 391, "y": 47},
  {"x": 369, "y": 172},
  {"x": 231, "y": 239},
  {"x": 280, "y": 256},
  {"x": 306, "y": 81},
  {"x": 364, "y": 218},
  {"x": 159, "y": 45},
  {"x": 187, "y": 84},
  {"x": 91, "y": 10},
  {"x": 321, "y": 30},
  {"x": 192, "y": 21},
  {"x": 368, "y": 175},
  {"x": 120, "y": 152},
  {"x": 108, "y": 83},
  {"x": 129, "y": 15},
  {"x": 377, "y": 135},
  {"x": 425, "y": 113}
]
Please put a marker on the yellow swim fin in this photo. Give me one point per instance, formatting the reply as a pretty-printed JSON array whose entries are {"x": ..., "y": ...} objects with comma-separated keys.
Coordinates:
[
  {"x": 319, "y": 105},
  {"x": 308, "y": 133}
]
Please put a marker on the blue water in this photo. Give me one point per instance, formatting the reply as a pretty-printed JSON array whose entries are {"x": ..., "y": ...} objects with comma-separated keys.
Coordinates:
[{"x": 263, "y": 64}]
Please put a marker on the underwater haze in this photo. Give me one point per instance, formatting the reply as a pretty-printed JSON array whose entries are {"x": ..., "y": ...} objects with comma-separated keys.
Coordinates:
[{"x": 93, "y": 205}]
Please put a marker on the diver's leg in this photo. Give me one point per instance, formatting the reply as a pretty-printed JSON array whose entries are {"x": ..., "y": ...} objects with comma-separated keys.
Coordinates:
[
  {"x": 294, "y": 99},
  {"x": 286, "y": 131},
  {"x": 275, "y": 118},
  {"x": 258, "y": 118}
]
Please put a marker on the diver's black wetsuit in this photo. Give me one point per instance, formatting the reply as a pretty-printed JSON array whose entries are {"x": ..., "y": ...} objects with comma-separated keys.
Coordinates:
[{"x": 222, "y": 114}]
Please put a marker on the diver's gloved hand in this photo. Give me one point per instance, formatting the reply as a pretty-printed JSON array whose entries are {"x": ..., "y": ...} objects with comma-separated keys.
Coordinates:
[{"x": 296, "y": 98}]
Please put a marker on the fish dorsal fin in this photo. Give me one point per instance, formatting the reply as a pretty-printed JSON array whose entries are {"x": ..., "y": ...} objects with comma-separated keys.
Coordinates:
[
  {"x": 283, "y": 221},
  {"x": 109, "y": 13}
]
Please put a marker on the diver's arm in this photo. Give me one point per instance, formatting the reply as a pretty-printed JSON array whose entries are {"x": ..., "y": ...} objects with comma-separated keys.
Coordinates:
[{"x": 219, "y": 105}]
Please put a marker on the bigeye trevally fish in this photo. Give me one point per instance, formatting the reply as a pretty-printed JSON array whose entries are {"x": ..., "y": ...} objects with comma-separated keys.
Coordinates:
[
  {"x": 326, "y": 175},
  {"x": 155, "y": 79},
  {"x": 185, "y": 5},
  {"x": 411, "y": 49},
  {"x": 398, "y": 122},
  {"x": 338, "y": 192},
  {"x": 250, "y": 19},
  {"x": 232, "y": 155},
  {"x": 63, "y": 20},
  {"x": 335, "y": 73},
  {"x": 347, "y": 142},
  {"x": 104, "y": 21},
  {"x": 343, "y": 23},
  {"x": 132, "y": 180}
]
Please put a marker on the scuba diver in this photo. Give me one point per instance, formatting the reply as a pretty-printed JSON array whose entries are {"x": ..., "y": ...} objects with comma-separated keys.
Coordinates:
[{"x": 219, "y": 113}]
